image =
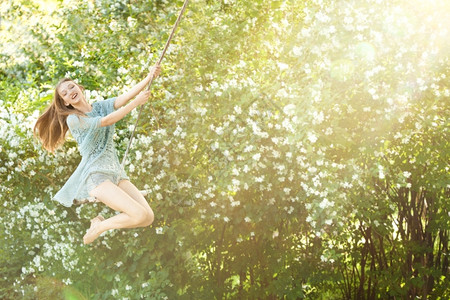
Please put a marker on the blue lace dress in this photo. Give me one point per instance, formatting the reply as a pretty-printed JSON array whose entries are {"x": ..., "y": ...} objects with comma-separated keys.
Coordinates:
[{"x": 99, "y": 156}]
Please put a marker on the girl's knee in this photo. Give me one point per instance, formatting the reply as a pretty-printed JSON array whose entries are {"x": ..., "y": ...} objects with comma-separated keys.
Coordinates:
[
  {"x": 143, "y": 218},
  {"x": 149, "y": 218}
]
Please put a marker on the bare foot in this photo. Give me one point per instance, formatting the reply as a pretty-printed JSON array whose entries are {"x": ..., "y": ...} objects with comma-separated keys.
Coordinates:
[
  {"x": 92, "y": 233},
  {"x": 99, "y": 218}
]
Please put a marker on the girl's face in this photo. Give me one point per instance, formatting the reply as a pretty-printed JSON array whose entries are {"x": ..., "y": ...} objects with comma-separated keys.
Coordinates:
[{"x": 71, "y": 93}]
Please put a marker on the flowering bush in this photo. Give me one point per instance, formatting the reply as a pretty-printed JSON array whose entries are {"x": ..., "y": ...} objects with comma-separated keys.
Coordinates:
[{"x": 292, "y": 149}]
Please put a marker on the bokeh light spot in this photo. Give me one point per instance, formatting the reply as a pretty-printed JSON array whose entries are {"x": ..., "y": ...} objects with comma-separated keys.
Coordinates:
[
  {"x": 365, "y": 50},
  {"x": 342, "y": 69}
]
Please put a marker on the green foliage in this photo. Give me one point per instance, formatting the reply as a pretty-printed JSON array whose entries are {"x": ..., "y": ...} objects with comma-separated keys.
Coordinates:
[{"x": 292, "y": 149}]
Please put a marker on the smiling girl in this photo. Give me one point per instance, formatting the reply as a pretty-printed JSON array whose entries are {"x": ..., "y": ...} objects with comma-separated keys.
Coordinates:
[{"x": 99, "y": 173}]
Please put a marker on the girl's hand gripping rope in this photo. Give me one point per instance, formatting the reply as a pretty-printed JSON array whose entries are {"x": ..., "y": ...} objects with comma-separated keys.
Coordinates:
[
  {"x": 155, "y": 71},
  {"x": 142, "y": 98}
]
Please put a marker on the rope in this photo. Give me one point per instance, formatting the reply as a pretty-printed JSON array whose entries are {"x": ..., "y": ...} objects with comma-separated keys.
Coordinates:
[{"x": 151, "y": 80}]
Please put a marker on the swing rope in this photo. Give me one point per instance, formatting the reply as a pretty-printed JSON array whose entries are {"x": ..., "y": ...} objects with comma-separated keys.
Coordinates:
[{"x": 151, "y": 80}]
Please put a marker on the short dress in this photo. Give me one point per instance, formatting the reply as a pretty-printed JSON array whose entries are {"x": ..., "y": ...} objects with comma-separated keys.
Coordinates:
[{"x": 99, "y": 160}]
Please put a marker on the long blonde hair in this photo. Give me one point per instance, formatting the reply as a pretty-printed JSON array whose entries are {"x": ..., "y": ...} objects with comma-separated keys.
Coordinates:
[{"x": 51, "y": 126}]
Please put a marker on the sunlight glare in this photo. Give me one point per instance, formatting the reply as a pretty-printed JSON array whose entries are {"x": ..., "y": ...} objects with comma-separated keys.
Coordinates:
[{"x": 47, "y": 5}]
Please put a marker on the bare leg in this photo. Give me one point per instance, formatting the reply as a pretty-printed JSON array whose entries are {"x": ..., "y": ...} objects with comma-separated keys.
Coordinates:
[
  {"x": 133, "y": 214},
  {"x": 134, "y": 193}
]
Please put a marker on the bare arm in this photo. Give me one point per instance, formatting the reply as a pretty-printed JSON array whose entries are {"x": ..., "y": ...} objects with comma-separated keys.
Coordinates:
[
  {"x": 123, "y": 111},
  {"x": 125, "y": 97}
]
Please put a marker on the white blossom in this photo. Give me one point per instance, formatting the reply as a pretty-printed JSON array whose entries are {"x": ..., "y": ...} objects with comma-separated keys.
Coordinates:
[
  {"x": 312, "y": 137},
  {"x": 289, "y": 109}
]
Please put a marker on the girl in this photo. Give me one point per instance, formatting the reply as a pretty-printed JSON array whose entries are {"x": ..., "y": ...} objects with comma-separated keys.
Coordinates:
[{"x": 99, "y": 173}]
